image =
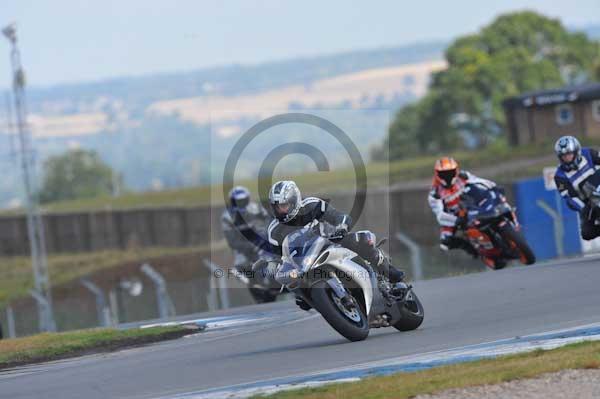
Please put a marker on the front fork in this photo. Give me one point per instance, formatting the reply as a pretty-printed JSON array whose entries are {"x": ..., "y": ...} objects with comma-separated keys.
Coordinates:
[
  {"x": 512, "y": 220},
  {"x": 507, "y": 248},
  {"x": 337, "y": 287}
]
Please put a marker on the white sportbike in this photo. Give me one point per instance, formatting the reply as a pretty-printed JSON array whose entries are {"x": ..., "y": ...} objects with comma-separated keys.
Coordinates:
[{"x": 343, "y": 287}]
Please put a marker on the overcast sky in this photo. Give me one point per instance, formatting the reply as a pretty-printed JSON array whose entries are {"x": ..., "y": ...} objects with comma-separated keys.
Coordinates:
[{"x": 83, "y": 40}]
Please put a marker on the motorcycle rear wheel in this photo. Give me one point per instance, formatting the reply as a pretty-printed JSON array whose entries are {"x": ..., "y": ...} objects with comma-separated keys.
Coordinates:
[{"x": 412, "y": 313}]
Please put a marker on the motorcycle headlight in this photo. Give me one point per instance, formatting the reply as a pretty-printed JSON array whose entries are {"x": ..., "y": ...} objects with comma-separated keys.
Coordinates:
[
  {"x": 287, "y": 273},
  {"x": 308, "y": 261}
]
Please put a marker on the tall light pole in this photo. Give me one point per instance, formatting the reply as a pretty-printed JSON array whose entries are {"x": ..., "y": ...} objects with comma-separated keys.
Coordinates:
[{"x": 35, "y": 227}]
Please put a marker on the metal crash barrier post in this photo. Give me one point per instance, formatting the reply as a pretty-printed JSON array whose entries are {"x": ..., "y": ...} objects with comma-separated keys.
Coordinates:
[
  {"x": 415, "y": 255},
  {"x": 165, "y": 305},
  {"x": 102, "y": 308}
]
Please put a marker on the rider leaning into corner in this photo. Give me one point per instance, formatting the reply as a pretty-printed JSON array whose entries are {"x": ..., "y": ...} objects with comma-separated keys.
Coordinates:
[
  {"x": 576, "y": 165},
  {"x": 243, "y": 223},
  {"x": 292, "y": 213},
  {"x": 444, "y": 200}
]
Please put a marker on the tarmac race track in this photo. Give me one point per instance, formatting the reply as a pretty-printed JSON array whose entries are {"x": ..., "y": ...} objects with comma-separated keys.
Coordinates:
[{"x": 459, "y": 311}]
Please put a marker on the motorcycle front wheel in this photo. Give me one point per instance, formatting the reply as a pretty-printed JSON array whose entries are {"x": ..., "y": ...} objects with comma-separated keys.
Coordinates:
[
  {"x": 526, "y": 255},
  {"x": 351, "y": 322}
]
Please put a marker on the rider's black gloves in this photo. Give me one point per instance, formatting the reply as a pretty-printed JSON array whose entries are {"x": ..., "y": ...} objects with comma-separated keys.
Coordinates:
[{"x": 341, "y": 231}]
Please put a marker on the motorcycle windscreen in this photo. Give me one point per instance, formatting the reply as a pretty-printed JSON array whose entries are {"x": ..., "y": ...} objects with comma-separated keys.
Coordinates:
[
  {"x": 302, "y": 248},
  {"x": 481, "y": 202}
]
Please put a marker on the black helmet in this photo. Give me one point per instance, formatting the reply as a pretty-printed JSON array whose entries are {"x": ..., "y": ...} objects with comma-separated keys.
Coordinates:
[
  {"x": 239, "y": 198},
  {"x": 568, "y": 145},
  {"x": 285, "y": 200}
]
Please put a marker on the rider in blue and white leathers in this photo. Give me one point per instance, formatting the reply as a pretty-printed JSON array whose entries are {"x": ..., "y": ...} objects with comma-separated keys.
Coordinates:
[{"x": 576, "y": 166}]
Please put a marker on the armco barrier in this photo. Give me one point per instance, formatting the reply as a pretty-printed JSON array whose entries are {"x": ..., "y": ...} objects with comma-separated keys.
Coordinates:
[{"x": 385, "y": 213}]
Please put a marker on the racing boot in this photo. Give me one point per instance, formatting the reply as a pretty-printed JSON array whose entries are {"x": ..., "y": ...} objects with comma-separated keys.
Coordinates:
[
  {"x": 395, "y": 276},
  {"x": 385, "y": 267}
]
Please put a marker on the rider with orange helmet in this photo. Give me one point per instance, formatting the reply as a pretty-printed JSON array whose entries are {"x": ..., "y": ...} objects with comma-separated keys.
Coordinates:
[{"x": 444, "y": 200}]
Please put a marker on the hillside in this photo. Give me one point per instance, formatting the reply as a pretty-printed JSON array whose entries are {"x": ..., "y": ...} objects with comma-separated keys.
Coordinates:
[
  {"x": 226, "y": 80},
  {"x": 169, "y": 131},
  {"x": 375, "y": 87},
  {"x": 509, "y": 164}
]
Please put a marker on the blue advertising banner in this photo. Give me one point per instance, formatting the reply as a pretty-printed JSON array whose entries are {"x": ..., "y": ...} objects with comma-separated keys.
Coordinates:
[{"x": 535, "y": 207}]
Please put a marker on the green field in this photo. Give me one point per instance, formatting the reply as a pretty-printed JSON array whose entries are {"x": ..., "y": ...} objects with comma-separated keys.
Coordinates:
[
  {"x": 16, "y": 277},
  {"x": 378, "y": 174},
  {"x": 493, "y": 371}
]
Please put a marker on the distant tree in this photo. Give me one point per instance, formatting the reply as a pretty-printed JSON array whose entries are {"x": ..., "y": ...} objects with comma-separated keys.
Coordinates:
[
  {"x": 404, "y": 141},
  {"x": 516, "y": 53},
  {"x": 76, "y": 174}
]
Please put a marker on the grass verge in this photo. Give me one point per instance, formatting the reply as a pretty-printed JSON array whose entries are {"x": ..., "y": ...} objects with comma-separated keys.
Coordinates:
[
  {"x": 378, "y": 173},
  {"x": 54, "y": 346},
  {"x": 584, "y": 355},
  {"x": 16, "y": 276}
]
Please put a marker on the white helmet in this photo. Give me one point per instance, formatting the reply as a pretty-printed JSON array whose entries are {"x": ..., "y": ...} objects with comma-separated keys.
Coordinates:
[
  {"x": 568, "y": 145},
  {"x": 285, "y": 200}
]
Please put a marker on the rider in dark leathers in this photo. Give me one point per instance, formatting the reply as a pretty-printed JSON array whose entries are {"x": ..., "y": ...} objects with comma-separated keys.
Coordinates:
[
  {"x": 292, "y": 213},
  {"x": 244, "y": 224}
]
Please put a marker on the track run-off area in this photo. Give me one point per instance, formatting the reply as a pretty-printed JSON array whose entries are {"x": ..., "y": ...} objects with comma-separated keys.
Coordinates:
[{"x": 252, "y": 349}]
